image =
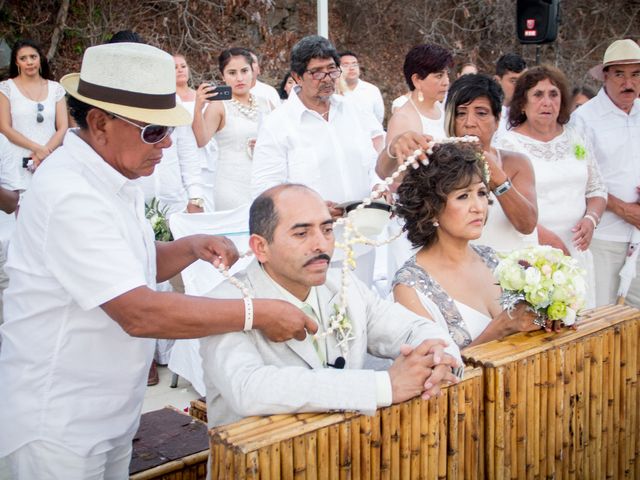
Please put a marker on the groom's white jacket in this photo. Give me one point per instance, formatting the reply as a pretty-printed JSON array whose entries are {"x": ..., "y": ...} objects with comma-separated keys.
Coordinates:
[{"x": 247, "y": 374}]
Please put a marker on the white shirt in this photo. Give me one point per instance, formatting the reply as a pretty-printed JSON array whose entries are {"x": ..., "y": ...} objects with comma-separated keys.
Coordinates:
[
  {"x": 70, "y": 374},
  {"x": 177, "y": 177},
  {"x": 503, "y": 125},
  {"x": 368, "y": 97},
  {"x": 270, "y": 94},
  {"x": 11, "y": 179},
  {"x": 296, "y": 145},
  {"x": 615, "y": 136}
]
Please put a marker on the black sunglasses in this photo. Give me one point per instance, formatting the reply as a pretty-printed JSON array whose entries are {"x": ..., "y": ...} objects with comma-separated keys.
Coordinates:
[
  {"x": 150, "y": 134},
  {"x": 39, "y": 116}
]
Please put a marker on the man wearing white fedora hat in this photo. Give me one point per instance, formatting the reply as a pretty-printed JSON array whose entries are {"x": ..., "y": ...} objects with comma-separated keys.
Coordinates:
[
  {"x": 611, "y": 123},
  {"x": 81, "y": 311}
]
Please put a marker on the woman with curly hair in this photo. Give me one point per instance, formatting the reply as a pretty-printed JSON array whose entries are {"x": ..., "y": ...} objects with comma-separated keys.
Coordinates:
[{"x": 444, "y": 206}]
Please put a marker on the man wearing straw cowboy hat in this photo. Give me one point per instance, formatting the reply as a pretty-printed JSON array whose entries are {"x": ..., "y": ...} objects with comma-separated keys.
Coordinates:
[
  {"x": 611, "y": 123},
  {"x": 81, "y": 311}
]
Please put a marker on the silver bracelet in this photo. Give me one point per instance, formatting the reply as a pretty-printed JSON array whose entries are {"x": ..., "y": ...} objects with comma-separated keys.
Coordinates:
[
  {"x": 248, "y": 314},
  {"x": 502, "y": 188}
]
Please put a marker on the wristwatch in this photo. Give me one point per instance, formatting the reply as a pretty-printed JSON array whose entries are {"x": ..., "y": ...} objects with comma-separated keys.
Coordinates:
[
  {"x": 502, "y": 188},
  {"x": 197, "y": 202}
]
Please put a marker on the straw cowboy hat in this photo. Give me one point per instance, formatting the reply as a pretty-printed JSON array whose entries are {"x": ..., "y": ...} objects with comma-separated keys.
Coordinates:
[
  {"x": 134, "y": 80},
  {"x": 620, "y": 52}
]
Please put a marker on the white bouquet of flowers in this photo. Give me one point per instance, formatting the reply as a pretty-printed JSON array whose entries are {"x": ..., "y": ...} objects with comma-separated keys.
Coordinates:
[{"x": 551, "y": 283}]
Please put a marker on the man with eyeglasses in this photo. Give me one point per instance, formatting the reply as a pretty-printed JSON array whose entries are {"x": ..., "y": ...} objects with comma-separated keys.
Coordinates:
[
  {"x": 316, "y": 138},
  {"x": 81, "y": 310},
  {"x": 366, "y": 95}
]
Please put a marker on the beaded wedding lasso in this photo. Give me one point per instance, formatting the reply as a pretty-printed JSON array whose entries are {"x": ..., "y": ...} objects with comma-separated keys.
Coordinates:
[{"x": 339, "y": 323}]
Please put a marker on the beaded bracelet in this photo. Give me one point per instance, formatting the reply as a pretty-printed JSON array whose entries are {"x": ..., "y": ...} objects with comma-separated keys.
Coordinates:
[
  {"x": 248, "y": 313},
  {"x": 593, "y": 220}
]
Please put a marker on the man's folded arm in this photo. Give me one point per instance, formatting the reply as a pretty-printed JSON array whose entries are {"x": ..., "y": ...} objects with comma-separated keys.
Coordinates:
[{"x": 235, "y": 367}]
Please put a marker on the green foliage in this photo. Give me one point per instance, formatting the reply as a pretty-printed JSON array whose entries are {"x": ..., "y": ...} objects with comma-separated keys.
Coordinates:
[{"x": 157, "y": 216}]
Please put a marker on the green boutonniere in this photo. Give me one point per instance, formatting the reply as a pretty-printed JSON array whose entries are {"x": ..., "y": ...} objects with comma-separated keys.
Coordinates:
[{"x": 580, "y": 152}]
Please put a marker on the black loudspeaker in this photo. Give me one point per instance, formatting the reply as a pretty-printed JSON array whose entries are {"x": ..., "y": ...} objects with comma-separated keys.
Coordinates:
[{"x": 537, "y": 20}]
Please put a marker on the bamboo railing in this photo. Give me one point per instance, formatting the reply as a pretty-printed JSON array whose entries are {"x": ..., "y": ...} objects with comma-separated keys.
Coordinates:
[
  {"x": 564, "y": 405},
  {"x": 537, "y": 405},
  {"x": 436, "y": 438}
]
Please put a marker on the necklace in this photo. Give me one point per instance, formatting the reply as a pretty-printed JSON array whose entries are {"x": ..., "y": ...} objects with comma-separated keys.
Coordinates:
[
  {"x": 251, "y": 111},
  {"x": 28, "y": 92}
]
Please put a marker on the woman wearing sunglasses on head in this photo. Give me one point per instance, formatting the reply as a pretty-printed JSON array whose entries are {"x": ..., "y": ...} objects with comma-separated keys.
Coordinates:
[{"x": 33, "y": 113}]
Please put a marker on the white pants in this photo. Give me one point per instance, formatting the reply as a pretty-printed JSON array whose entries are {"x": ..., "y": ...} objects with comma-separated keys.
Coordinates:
[
  {"x": 608, "y": 259},
  {"x": 48, "y": 461}
]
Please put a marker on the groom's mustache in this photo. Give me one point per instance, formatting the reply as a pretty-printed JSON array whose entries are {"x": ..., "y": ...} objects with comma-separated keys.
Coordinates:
[{"x": 322, "y": 256}]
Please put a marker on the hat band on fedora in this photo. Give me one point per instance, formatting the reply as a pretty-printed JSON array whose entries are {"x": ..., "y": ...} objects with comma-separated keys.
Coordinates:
[{"x": 126, "y": 98}]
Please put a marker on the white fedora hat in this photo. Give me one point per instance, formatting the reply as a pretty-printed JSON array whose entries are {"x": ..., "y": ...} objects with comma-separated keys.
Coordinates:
[
  {"x": 134, "y": 80},
  {"x": 620, "y": 52}
]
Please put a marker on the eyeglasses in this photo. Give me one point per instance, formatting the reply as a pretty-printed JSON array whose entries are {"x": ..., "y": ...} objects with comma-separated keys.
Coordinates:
[
  {"x": 150, "y": 134},
  {"x": 39, "y": 116},
  {"x": 350, "y": 65},
  {"x": 319, "y": 75}
]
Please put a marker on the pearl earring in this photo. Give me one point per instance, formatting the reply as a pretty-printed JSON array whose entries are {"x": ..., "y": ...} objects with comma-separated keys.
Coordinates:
[
  {"x": 420, "y": 96},
  {"x": 436, "y": 224}
]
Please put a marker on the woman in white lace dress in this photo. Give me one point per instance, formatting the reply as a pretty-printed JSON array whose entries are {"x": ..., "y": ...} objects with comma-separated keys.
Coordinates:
[
  {"x": 234, "y": 125},
  {"x": 473, "y": 108},
  {"x": 570, "y": 190},
  {"x": 33, "y": 112}
]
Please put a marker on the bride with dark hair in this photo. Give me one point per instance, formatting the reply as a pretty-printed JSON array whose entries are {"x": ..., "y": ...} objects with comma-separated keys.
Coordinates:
[{"x": 444, "y": 206}]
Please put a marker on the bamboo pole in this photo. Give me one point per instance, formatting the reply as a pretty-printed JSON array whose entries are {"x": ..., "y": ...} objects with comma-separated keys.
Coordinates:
[
  {"x": 529, "y": 435},
  {"x": 405, "y": 440},
  {"x": 452, "y": 450},
  {"x": 366, "y": 446},
  {"x": 286, "y": 459},
  {"x": 534, "y": 435},
  {"x": 395, "y": 442},
  {"x": 264, "y": 467},
  {"x": 542, "y": 414},
  {"x": 522, "y": 418},
  {"x": 499, "y": 428},
  {"x": 385, "y": 457},
  {"x": 252, "y": 469},
  {"x": 616, "y": 400},
  {"x": 311, "y": 441},
  {"x": 596, "y": 406},
  {"x": 415, "y": 441},
  {"x": 428, "y": 459},
  {"x": 334, "y": 452},
  {"x": 580, "y": 416},
  {"x": 356, "y": 449},
  {"x": 376, "y": 445},
  {"x": 442, "y": 401},
  {"x": 344, "y": 451},
  {"x": 552, "y": 376},
  {"x": 299, "y": 458},
  {"x": 323, "y": 453},
  {"x": 490, "y": 422}
]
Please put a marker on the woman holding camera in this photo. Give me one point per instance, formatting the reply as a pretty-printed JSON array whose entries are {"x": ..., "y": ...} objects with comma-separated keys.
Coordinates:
[
  {"x": 33, "y": 113},
  {"x": 233, "y": 124}
]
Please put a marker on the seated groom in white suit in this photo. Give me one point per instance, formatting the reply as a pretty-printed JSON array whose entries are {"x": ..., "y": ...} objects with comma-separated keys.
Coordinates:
[{"x": 247, "y": 374}]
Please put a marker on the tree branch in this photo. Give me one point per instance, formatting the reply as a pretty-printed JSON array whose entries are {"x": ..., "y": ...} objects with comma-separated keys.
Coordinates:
[{"x": 61, "y": 21}]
